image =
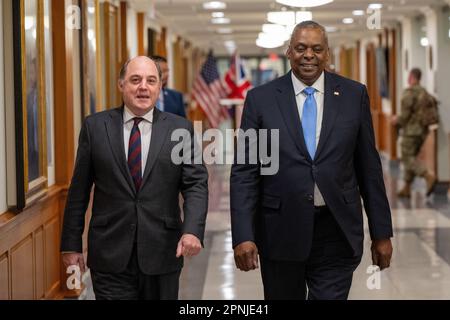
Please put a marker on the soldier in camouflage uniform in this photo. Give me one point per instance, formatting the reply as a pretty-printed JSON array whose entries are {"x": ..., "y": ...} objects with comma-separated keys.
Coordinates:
[{"x": 413, "y": 134}]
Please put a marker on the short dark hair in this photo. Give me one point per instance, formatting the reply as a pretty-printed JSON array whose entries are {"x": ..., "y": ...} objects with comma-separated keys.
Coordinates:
[
  {"x": 123, "y": 70},
  {"x": 310, "y": 24},
  {"x": 159, "y": 59},
  {"x": 416, "y": 73}
]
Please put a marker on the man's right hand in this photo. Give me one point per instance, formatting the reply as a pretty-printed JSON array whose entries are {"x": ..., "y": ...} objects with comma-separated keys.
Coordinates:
[
  {"x": 246, "y": 256},
  {"x": 74, "y": 259}
]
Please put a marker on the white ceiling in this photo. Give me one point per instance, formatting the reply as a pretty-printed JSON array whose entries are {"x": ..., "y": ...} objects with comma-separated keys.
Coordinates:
[{"x": 188, "y": 19}]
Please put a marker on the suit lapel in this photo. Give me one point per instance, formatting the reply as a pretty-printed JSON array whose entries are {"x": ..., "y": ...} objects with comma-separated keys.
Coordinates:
[
  {"x": 288, "y": 107},
  {"x": 160, "y": 128},
  {"x": 114, "y": 129},
  {"x": 330, "y": 110}
]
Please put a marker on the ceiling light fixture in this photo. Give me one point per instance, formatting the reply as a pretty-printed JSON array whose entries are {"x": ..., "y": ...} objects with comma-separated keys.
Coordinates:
[
  {"x": 358, "y": 12},
  {"x": 273, "y": 28},
  {"x": 347, "y": 20},
  {"x": 217, "y": 14},
  {"x": 214, "y": 5},
  {"x": 220, "y": 20},
  {"x": 424, "y": 42},
  {"x": 304, "y": 3},
  {"x": 287, "y": 18},
  {"x": 375, "y": 6},
  {"x": 224, "y": 30}
]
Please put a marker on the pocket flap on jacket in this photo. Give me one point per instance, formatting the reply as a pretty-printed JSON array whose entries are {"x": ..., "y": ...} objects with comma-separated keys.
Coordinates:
[
  {"x": 98, "y": 221},
  {"x": 271, "y": 202},
  {"x": 351, "y": 195},
  {"x": 172, "y": 223}
]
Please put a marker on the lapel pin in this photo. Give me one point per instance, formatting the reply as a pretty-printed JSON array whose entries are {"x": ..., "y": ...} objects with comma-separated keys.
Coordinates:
[{"x": 336, "y": 93}]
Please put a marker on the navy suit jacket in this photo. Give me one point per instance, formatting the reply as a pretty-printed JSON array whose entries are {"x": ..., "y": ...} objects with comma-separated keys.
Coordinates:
[
  {"x": 173, "y": 102},
  {"x": 277, "y": 211}
]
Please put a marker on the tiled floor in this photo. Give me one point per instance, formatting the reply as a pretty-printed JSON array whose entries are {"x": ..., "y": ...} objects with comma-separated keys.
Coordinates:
[{"x": 420, "y": 265}]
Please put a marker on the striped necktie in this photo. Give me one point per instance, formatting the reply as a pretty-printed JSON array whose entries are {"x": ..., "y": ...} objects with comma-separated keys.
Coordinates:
[{"x": 134, "y": 154}]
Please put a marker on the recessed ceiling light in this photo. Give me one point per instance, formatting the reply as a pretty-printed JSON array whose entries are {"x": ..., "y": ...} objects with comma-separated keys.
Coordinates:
[
  {"x": 224, "y": 30},
  {"x": 218, "y": 14},
  {"x": 304, "y": 3},
  {"x": 281, "y": 17},
  {"x": 273, "y": 28},
  {"x": 347, "y": 20},
  {"x": 220, "y": 20},
  {"x": 358, "y": 12},
  {"x": 375, "y": 6},
  {"x": 214, "y": 5},
  {"x": 424, "y": 42}
]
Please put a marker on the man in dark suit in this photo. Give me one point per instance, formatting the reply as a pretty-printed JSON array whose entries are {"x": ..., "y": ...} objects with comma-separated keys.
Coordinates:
[
  {"x": 136, "y": 235},
  {"x": 305, "y": 221},
  {"x": 169, "y": 100}
]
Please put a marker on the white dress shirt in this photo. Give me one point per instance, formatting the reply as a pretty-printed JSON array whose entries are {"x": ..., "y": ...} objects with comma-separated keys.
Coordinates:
[
  {"x": 145, "y": 127},
  {"x": 300, "y": 98}
]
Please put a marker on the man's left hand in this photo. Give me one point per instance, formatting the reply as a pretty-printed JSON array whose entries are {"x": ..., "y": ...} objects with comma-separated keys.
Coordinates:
[
  {"x": 188, "y": 246},
  {"x": 381, "y": 253}
]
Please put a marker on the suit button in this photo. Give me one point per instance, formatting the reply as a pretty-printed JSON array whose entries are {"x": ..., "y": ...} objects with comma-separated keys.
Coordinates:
[
  {"x": 310, "y": 197},
  {"x": 133, "y": 226}
]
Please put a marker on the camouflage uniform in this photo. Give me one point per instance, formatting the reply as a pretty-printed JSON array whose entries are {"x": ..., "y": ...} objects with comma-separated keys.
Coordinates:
[{"x": 413, "y": 132}]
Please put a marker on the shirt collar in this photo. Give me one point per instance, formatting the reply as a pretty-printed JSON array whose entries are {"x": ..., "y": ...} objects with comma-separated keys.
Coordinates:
[
  {"x": 128, "y": 115},
  {"x": 319, "y": 85}
]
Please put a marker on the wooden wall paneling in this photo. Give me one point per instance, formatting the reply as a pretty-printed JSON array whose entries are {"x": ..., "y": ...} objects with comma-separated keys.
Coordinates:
[
  {"x": 357, "y": 62},
  {"x": 63, "y": 95},
  {"x": 85, "y": 60},
  {"x": 124, "y": 56},
  {"x": 39, "y": 271},
  {"x": 161, "y": 48},
  {"x": 31, "y": 223},
  {"x": 117, "y": 54},
  {"x": 107, "y": 47},
  {"x": 52, "y": 261},
  {"x": 100, "y": 93},
  {"x": 140, "y": 33},
  {"x": 22, "y": 275},
  {"x": 4, "y": 277}
]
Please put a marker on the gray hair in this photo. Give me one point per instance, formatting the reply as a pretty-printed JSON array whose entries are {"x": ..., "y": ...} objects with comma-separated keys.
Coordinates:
[
  {"x": 310, "y": 24},
  {"x": 123, "y": 70}
]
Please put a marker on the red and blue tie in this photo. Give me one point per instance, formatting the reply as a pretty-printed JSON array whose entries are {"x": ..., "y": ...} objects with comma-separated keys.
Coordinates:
[{"x": 134, "y": 154}]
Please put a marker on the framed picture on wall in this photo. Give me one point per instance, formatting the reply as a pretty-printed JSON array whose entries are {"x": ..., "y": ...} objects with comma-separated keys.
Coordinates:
[
  {"x": 31, "y": 142},
  {"x": 91, "y": 56}
]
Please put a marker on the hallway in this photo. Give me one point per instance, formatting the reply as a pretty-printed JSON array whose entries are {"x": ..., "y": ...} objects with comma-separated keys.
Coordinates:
[{"x": 420, "y": 267}]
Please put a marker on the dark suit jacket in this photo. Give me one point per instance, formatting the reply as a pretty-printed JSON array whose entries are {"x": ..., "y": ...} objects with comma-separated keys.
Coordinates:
[
  {"x": 173, "y": 102},
  {"x": 277, "y": 211},
  {"x": 120, "y": 215}
]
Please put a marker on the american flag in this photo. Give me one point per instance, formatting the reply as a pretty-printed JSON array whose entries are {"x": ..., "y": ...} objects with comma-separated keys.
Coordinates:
[
  {"x": 236, "y": 79},
  {"x": 208, "y": 90}
]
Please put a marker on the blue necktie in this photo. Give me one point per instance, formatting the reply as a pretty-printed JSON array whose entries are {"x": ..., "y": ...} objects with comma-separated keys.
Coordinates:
[{"x": 309, "y": 117}]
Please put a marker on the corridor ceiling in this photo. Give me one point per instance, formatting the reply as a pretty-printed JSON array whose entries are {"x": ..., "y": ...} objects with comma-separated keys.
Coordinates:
[{"x": 189, "y": 19}]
